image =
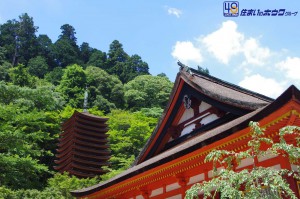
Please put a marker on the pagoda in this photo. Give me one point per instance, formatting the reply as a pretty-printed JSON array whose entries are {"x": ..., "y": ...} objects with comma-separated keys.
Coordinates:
[{"x": 83, "y": 146}]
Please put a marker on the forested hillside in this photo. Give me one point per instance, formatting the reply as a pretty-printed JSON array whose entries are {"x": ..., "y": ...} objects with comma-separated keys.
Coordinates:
[{"x": 42, "y": 82}]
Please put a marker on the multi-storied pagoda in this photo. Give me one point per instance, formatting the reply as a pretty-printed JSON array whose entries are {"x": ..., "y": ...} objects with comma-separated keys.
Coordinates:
[
  {"x": 83, "y": 149},
  {"x": 204, "y": 113}
]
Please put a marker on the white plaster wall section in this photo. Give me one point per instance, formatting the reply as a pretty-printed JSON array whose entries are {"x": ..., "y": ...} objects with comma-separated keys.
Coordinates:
[
  {"x": 245, "y": 162},
  {"x": 179, "y": 196},
  {"x": 188, "y": 113},
  {"x": 187, "y": 129},
  {"x": 295, "y": 167},
  {"x": 173, "y": 186},
  {"x": 266, "y": 157},
  {"x": 276, "y": 167},
  {"x": 204, "y": 106},
  {"x": 209, "y": 119},
  {"x": 210, "y": 173},
  {"x": 202, "y": 116},
  {"x": 196, "y": 178},
  {"x": 157, "y": 192}
]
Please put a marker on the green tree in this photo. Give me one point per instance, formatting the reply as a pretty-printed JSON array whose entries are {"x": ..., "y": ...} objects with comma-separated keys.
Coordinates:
[
  {"x": 85, "y": 52},
  {"x": 65, "y": 48},
  {"x": 249, "y": 183},
  {"x": 147, "y": 91},
  {"x": 134, "y": 67},
  {"x": 65, "y": 183},
  {"x": 4, "y": 71},
  {"x": 162, "y": 75},
  {"x": 28, "y": 129},
  {"x": 21, "y": 172},
  {"x": 68, "y": 32},
  {"x": 98, "y": 59},
  {"x": 19, "y": 39},
  {"x": 20, "y": 76},
  {"x": 127, "y": 135},
  {"x": 117, "y": 57},
  {"x": 72, "y": 85},
  {"x": 9, "y": 39},
  {"x": 38, "y": 66},
  {"x": 45, "y": 49},
  {"x": 65, "y": 53},
  {"x": 106, "y": 91},
  {"x": 55, "y": 75},
  {"x": 116, "y": 53},
  {"x": 2, "y": 55},
  {"x": 27, "y": 38},
  {"x": 58, "y": 187}
]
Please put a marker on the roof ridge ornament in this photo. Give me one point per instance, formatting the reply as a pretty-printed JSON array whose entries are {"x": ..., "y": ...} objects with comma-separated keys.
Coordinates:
[{"x": 185, "y": 69}]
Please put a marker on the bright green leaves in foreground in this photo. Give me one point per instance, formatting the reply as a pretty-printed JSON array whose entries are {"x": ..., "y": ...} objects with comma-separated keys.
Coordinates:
[{"x": 259, "y": 182}]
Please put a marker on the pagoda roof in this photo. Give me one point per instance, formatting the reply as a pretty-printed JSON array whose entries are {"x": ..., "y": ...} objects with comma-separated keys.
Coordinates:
[
  {"x": 292, "y": 93},
  {"x": 82, "y": 148}
]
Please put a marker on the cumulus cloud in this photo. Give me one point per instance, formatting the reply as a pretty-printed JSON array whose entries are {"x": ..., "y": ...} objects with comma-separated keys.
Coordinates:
[
  {"x": 225, "y": 42},
  {"x": 255, "y": 54},
  {"x": 266, "y": 86},
  {"x": 185, "y": 51},
  {"x": 290, "y": 67},
  {"x": 174, "y": 11}
]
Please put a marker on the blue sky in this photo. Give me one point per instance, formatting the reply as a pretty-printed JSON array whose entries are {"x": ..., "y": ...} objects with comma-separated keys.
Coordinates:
[{"x": 260, "y": 53}]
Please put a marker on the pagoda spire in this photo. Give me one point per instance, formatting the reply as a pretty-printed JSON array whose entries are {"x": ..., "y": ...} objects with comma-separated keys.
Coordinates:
[{"x": 85, "y": 102}]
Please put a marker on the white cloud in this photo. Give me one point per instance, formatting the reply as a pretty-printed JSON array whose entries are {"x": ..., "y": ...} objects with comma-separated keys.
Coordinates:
[
  {"x": 291, "y": 67},
  {"x": 255, "y": 54},
  {"x": 225, "y": 42},
  {"x": 266, "y": 86},
  {"x": 174, "y": 11},
  {"x": 185, "y": 51}
]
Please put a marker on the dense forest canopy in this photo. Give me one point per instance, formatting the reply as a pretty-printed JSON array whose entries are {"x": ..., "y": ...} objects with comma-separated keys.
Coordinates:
[{"x": 42, "y": 82}]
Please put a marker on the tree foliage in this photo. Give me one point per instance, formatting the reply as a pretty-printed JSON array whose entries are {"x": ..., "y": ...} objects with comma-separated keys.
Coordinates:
[
  {"x": 38, "y": 66},
  {"x": 127, "y": 135},
  {"x": 20, "y": 76},
  {"x": 258, "y": 182},
  {"x": 27, "y": 135},
  {"x": 19, "y": 39},
  {"x": 72, "y": 85},
  {"x": 147, "y": 91},
  {"x": 106, "y": 91}
]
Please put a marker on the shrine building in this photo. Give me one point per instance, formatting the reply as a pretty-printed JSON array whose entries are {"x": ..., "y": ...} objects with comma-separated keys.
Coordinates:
[{"x": 203, "y": 113}]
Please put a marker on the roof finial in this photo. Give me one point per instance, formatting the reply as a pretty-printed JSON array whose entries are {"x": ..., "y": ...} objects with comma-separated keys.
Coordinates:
[
  {"x": 85, "y": 103},
  {"x": 184, "y": 68}
]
